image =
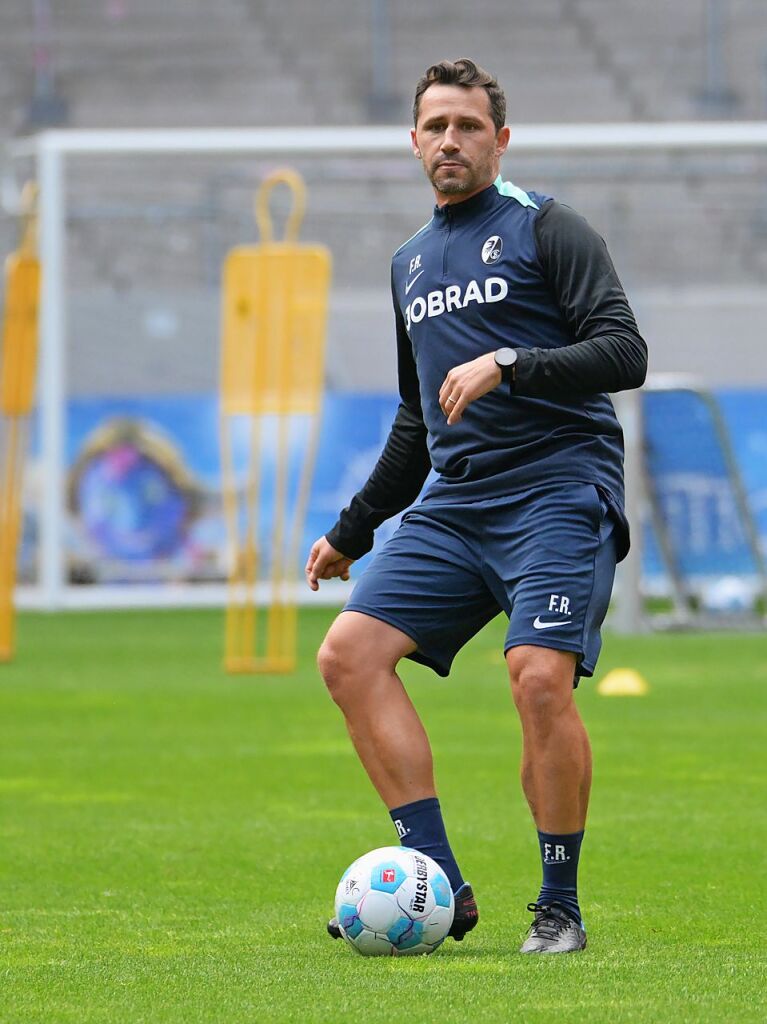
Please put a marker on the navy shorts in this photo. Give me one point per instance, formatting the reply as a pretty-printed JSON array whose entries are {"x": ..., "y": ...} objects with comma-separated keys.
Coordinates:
[{"x": 545, "y": 556}]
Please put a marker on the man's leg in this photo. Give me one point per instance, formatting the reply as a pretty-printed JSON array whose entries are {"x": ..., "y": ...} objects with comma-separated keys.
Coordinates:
[
  {"x": 358, "y": 662},
  {"x": 556, "y": 778},
  {"x": 556, "y": 755}
]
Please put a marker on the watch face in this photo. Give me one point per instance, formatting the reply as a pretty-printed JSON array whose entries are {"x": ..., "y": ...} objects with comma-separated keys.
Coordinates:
[{"x": 506, "y": 357}]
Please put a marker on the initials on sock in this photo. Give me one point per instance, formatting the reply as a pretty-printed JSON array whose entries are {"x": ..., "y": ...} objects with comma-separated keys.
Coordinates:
[
  {"x": 559, "y": 860},
  {"x": 420, "y": 826}
]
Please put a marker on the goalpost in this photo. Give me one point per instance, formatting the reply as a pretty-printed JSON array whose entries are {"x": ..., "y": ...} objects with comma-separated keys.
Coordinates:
[{"x": 56, "y": 154}]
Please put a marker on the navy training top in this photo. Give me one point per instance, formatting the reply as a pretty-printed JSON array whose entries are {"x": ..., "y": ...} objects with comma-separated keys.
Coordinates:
[{"x": 503, "y": 268}]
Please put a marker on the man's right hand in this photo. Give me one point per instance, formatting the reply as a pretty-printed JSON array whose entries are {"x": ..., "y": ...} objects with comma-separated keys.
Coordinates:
[{"x": 324, "y": 563}]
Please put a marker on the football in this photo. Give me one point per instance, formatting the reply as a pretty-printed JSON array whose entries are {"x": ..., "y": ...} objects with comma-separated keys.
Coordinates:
[{"x": 394, "y": 901}]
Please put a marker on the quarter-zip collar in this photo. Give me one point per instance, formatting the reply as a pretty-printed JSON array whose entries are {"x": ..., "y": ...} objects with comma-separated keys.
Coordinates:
[{"x": 452, "y": 212}]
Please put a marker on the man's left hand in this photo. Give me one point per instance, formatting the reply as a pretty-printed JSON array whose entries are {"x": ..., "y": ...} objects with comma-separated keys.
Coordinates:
[{"x": 466, "y": 383}]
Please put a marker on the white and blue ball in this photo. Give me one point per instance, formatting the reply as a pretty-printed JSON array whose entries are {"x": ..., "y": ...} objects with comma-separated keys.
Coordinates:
[{"x": 394, "y": 901}]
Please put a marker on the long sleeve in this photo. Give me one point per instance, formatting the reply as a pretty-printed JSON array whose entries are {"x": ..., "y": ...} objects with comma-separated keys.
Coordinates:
[
  {"x": 608, "y": 353},
  {"x": 401, "y": 470}
]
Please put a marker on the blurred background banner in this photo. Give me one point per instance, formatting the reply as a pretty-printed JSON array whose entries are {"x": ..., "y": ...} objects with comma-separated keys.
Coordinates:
[
  {"x": 144, "y": 504},
  {"x": 689, "y": 472},
  {"x": 143, "y": 484}
]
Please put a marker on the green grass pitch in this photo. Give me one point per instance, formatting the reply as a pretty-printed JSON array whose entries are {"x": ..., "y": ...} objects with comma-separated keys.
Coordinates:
[{"x": 171, "y": 838}]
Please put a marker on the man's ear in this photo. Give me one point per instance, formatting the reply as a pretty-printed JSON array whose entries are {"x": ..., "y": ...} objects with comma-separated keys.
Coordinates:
[
  {"x": 414, "y": 144},
  {"x": 502, "y": 141}
]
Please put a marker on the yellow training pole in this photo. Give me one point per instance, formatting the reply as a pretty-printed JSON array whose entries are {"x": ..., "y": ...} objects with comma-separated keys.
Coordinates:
[
  {"x": 18, "y": 365},
  {"x": 274, "y": 313}
]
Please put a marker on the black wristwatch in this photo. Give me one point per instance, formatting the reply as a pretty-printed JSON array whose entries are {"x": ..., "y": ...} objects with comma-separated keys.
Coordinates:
[{"x": 506, "y": 361}]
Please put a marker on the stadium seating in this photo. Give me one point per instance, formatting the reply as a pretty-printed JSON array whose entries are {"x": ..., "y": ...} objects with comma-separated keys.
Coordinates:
[{"x": 131, "y": 63}]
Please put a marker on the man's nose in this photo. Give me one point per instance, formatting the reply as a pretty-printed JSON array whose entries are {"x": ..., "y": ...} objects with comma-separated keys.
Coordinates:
[{"x": 450, "y": 142}]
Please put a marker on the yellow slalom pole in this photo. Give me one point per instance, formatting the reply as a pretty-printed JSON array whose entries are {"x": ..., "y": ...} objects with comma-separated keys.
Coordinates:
[
  {"x": 9, "y": 520},
  {"x": 282, "y": 608},
  {"x": 17, "y": 383},
  {"x": 274, "y": 312}
]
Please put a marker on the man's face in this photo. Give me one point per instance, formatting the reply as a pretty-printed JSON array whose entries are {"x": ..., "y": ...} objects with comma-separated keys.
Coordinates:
[{"x": 457, "y": 141}]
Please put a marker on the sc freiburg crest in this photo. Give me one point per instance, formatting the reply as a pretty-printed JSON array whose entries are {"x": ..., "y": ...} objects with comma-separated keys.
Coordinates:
[{"x": 492, "y": 249}]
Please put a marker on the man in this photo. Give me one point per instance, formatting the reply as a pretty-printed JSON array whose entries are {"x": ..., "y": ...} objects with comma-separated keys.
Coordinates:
[{"x": 511, "y": 326}]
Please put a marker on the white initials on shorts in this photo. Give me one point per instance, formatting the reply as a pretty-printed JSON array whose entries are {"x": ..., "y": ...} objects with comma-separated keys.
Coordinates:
[{"x": 559, "y": 603}]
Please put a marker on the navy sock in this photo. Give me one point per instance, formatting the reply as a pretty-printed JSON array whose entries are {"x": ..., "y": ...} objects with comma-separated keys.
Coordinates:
[
  {"x": 420, "y": 826},
  {"x": 559, "y": 857}
]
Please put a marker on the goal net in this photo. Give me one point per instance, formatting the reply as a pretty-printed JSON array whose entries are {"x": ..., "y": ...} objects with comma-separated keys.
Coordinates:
[{"x": 123, "y": 493}]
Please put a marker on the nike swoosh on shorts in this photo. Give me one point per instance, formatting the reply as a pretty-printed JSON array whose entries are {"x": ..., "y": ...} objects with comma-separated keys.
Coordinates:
[{"x": 537, "y": 624}]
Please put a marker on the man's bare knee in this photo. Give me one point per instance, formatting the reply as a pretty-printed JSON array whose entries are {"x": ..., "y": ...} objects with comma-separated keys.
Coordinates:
[
  {"x": 337, "y": 664},
  {"x": 358, "y": 646},
  {"x": 541, "y": 682}
]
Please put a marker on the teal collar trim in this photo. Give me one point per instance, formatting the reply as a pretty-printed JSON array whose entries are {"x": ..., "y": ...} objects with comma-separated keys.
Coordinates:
[
  {"x": 506, "y": 188},
  {"x": 418, "y": 232}
]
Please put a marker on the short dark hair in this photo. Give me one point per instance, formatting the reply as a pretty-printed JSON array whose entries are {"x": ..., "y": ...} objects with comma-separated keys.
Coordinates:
[{"x": 468, "y": 74}]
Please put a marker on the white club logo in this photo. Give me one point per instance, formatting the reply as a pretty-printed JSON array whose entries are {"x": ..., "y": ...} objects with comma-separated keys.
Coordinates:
[{"x": 492, "y": 249}]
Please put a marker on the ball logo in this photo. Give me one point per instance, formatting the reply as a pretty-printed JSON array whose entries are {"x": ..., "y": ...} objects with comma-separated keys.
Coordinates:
[
  {"x": 492, "y": 249},
  {"x": 388, "y": 875},
  {"x": 418, "y": 903}
]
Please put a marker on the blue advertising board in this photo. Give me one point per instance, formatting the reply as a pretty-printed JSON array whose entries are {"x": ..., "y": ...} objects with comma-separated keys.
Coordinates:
[
  {"x": 144, "y": 481},
  {"x": 688, "y": 470}
]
